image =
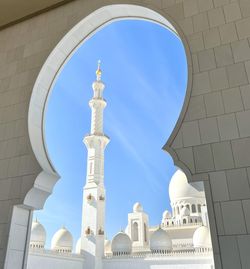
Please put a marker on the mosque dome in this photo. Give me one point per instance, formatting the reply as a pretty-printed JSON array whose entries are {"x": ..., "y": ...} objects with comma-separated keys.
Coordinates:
[
  {"x": 78, "y": 246},
  {"x": 38, "y": 235},
  {"x": 62, "y": 241},
  {"x": 179, "y": 188},
  {"x": 166, "y": 215},
  {"x": 202, "y": 238},
  {"x": 121, "y": 244},
  {"x": 185, "y": 212},
  {"x": 137, "y": 208},
  {"x": 107, "y": 246},
  {"x": 160, "y": 241}
]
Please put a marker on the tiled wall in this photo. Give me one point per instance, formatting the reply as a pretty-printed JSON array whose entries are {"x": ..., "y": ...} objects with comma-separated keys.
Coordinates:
[{"x": 214, "y": 136}]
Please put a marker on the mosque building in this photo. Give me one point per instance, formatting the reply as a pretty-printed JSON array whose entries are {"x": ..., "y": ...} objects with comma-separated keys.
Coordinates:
[{"x": 182, "y": 240}]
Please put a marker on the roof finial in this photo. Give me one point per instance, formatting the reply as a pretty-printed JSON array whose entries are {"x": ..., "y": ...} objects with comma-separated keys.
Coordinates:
[{"x": 98, "y": 71}]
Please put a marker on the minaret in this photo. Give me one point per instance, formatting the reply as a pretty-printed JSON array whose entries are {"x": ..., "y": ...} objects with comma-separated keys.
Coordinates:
[{"x": 93, "y": 217}]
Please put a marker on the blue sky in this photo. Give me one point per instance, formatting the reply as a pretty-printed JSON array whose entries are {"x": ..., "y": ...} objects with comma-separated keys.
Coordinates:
[{"x": 144, "y": 69}]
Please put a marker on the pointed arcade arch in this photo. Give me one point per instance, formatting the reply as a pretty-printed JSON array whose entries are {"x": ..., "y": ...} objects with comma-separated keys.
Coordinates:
[{"x": 86, "y": 28}]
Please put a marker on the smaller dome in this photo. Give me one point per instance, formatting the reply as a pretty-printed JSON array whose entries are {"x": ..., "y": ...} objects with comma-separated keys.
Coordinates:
[
  {"x": 185, "y": 212},
  {"x": 62, "y": 241},
  {"x": 107, "y": 246},
  {"x": 38, "y": 235},
  {"x": 121, "y": 244},
  {"x": 78, "y": 246},
  {"x": 137, "y": 208},
  {"x": 160, "y": 241},
  {"x": 180, "y": 189},
  {"x": 166, "y": 215},
  {"x": 202, "y": 238}
]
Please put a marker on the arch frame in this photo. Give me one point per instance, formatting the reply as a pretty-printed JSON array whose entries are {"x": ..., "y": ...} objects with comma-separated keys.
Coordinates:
[{"x": 50, "y": 70}]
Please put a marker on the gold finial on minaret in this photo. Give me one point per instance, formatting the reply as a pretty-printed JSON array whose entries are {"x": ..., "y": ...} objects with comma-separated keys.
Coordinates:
[{"x": 98, "y": 71}]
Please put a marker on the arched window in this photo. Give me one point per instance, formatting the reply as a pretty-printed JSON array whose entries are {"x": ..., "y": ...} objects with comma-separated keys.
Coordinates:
[
  {"x": 178, "y": 211},
  {"x": 195, "y": 220},
  {"x": 188, "y": 207},
  {"x": 191, "y": 221},
  {"x": 199, "y": 208},
  {"x": 135, "y": 231},
  {"x": 193, "y": 209},
  {"x": 145, "y": 232},
  {"x": 184, "y": 221}
]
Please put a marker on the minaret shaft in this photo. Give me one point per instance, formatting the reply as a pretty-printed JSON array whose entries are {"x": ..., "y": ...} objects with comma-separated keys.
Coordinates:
[
  {"x": 94, "y": 192},
  {"x": 96, "y": 145},
  {"x": 97, "y": 105}
]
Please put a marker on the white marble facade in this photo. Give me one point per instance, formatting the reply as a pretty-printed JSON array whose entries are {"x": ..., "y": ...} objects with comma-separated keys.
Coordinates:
[{"x": 182, "y": 240}]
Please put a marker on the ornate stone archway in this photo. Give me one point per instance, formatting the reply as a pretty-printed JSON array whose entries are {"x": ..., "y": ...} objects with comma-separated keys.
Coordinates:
[
  {"x": 56, "y": 61},
  {"x": 211, "y": 140},
  {"x": 44, "y": 182}
]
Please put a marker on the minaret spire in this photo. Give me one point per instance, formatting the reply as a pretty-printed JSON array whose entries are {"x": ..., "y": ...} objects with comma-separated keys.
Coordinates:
[
  {"x": 93, "y": 218},
  {"x": 98, "y": 71}
]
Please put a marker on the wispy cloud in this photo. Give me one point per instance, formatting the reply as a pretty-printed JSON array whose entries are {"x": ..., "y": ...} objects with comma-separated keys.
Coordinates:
[{"x": 117, "y": 130}]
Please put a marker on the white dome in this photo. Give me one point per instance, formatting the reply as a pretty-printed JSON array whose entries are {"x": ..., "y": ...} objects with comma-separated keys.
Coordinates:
[
  {"x": 78, "y": 246},
  {"x": 179, "y": 188},
  {"x": 121, "y": 244},
  {"x": 160, "y": 241},
  {"x": 202, "y": 238},
  {"x": 185, "y": 212},
  {"x": 62, "y": 241},
  {"x": 107, "y": 246},
  {"x": 38, "y": 234},
  {"x": 137, "y": 207},
  {"x": 166, "y": 215}
]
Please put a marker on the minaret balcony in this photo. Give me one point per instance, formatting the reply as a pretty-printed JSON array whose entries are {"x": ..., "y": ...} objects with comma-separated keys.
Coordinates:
[
  {"x": 94, "y": 140},
  {"x": 97, "y": 103}
]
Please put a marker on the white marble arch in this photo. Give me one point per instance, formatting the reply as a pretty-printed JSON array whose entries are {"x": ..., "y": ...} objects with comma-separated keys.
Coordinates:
[{"x": 86, "y": 28}]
